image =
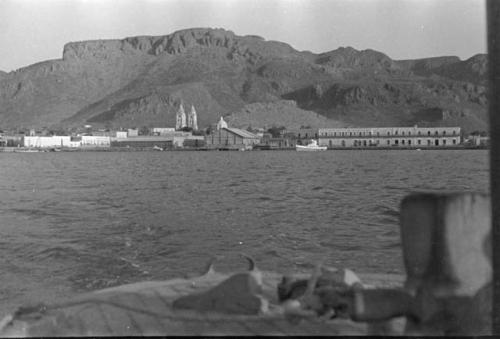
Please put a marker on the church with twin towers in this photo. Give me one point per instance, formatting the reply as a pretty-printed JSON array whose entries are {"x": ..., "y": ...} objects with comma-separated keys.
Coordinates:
[{"x": 181, "y": 121}]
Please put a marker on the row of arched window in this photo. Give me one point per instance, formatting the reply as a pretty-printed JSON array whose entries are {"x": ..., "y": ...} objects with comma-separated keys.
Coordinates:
[
  {"x": 378, "y": 134},
  {"x": 398, "y": 142}
]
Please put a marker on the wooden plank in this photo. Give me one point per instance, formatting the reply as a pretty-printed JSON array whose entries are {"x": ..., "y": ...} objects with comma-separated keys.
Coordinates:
[
  {"x": 124, "y": 321},
  {"x": 154, "y": 305},
  {"x": 228, "y": 327},
  {"x": 93, "y": 321},
  {"x": 263, "y": 327},
  {"x": 68, "y": 325},
  {"x": 150, "y": 324}
]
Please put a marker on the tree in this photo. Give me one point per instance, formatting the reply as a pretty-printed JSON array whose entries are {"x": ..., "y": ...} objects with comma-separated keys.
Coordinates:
[
  {"x": 144, "y": 130},
  {"x": 199, "y": 132}
]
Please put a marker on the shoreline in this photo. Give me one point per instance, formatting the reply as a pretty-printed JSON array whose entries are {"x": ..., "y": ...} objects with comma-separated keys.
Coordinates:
[{"x": 204, "y": 149}]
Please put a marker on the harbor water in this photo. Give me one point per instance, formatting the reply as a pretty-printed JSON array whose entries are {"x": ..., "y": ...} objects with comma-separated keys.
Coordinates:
[{"x": 72, "y": 222}]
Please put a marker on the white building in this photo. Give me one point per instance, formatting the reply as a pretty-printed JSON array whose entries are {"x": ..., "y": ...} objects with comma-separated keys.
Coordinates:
[
  {"x": 47, "y": 141},
  {"x": 162, "y": 130},
  {"x": 121, "y": 134},
  {"x": 385, "y": 136},
  {"x": 132, "y": 132},
  {"x": 221, "y": 124},
  {"x": 180, "y": 118},
  {"x": 192, "y": 119},
  {"x": 56, "y": 141},
  {"x": 95, "y": 141}
]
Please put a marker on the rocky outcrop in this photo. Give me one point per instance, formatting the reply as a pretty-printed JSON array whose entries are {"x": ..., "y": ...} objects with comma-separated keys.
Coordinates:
[
  {"x": 348, "y": 58},
  {"x": 176, "y": 43},
  {"x": 472, "y": 70},
  {"x": 427, "y": 66}
]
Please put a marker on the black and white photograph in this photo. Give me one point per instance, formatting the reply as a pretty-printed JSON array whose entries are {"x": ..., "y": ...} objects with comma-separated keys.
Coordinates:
[{"x": 249, "y": 167}]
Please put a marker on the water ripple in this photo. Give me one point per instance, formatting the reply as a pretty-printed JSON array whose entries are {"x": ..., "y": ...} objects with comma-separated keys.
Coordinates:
[{"x": 91, "y": 220}]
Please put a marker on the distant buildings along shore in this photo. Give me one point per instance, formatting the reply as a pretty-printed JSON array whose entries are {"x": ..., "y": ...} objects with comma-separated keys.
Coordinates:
[
  {"x": 383, "y": 136},
  {"x": 221, "y": 136}
]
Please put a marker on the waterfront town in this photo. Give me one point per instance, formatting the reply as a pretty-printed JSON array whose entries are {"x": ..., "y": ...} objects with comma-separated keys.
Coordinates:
[{"x": 220, "y": 136}]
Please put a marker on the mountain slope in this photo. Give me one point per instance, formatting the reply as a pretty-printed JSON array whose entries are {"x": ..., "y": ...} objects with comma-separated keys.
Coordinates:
[{"x": 141, "y": 81}]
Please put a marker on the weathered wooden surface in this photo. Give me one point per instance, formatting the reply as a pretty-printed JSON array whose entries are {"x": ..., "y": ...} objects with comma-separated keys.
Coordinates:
[{"x": 145, "y": 309}]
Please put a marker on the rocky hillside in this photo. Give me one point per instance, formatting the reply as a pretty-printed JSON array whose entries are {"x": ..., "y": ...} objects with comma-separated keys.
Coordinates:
[{"x": 141, "y": 81}]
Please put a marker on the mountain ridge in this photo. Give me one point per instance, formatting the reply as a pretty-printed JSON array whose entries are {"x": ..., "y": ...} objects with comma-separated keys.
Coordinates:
[{"x": 140, "y": 81}]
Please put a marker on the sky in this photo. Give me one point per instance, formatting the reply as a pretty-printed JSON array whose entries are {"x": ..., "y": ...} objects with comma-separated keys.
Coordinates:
[{"x": 36, "y": 30}]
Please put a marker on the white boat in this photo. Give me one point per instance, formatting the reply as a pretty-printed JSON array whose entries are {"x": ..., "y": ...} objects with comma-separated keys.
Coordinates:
[{"x": 312, "y": 146}]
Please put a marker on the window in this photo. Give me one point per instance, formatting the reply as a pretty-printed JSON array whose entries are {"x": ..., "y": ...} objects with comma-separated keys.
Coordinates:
[
  {"x": 419, "y": 141},
  {"x": 429, "y": 133},
  {"x": 360, "y": 133},
  {"x": 454, "y": 132},
  {"x": 409, "y": 142},
  {"x": 444, "y": 141},
  {"x": 454, "y": 141},
  {"x": 419, "y": 133},
  {"x": 378, "y": 134},
  {"x": 343, "y": 142},
  {"x": 388, "y": 142},
  {"x": 396, "y": 133},
  {"x": 436, "y": 133},
  {"x": 403, "y": 132},
  {"x": 388, "y": 133},
  {"x": 444, "y": 132},
  {"x": 429, "y": 142},
  {"x": 350, "y": 134},
  {"x": 402, "y": 142}
]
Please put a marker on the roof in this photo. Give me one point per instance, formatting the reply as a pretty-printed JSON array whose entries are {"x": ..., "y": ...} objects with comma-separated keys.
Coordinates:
[{"x": 242, "y": 133}]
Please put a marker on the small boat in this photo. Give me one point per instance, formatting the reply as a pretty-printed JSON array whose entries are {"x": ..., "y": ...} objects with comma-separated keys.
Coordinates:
[
  {"x": 312, "y": 146},
  {"x": 157, "y": 148}
]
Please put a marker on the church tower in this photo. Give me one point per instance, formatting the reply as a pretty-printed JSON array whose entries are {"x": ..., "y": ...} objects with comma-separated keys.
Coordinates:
[
  {"x": 221, "y": 124},
  {"x": 192, "y": 119},
  {"x": 180, "y": 118}
]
